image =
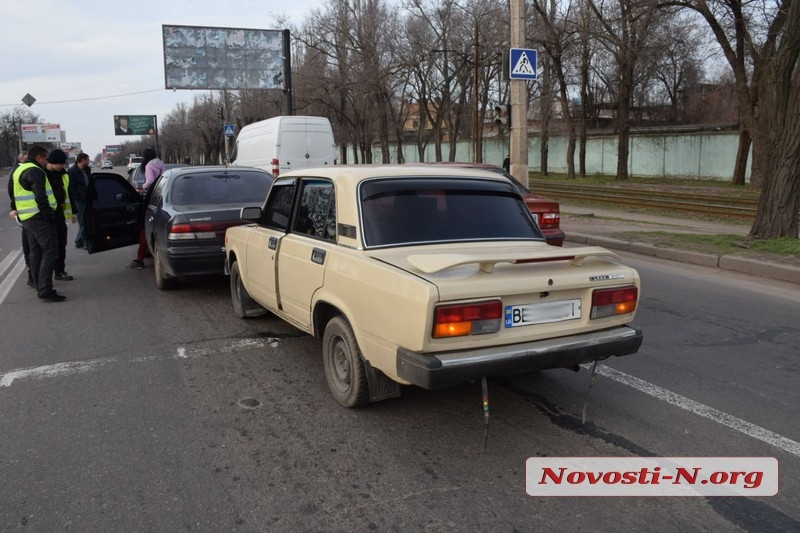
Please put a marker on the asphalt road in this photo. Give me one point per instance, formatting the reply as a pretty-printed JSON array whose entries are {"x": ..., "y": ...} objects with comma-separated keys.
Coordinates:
[{"x": 129, "y": 409}]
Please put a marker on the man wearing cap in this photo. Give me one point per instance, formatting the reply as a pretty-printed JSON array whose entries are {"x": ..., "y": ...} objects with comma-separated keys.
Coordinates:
[
  {"x": 36, "y": 208},
  {"x": 59, "y": 182}
]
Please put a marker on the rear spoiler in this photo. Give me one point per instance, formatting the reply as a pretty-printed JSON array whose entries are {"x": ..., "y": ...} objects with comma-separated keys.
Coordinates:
[{"x": 432, "y": 263}]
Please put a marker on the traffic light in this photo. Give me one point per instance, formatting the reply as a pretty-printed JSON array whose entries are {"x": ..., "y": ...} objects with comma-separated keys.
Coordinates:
[
  {"x": 503, "y": 115},
  {"x": 220, "y": 112}
]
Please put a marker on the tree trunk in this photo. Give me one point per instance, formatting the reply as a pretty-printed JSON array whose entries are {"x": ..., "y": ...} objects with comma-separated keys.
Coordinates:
[
  {"x": 584, "y": 117},
  {"x": 547, "y": 112},
  {"x": 777, "y": 128},
  {"x": 566, "y": 116},
  {"x": 742, "y": 153}
]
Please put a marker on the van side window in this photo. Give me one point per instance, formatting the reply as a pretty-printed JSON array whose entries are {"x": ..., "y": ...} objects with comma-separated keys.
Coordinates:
[
  {"x": 316, "y": 213},
  {"x": 279, "y": 205}
]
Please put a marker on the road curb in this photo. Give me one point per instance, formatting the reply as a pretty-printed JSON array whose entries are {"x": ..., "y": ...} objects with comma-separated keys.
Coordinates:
[{"x": 734, "y": 263}]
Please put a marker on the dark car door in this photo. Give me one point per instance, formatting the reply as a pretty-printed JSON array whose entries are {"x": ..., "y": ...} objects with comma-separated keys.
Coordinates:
[{"x": 113, "y": 216}]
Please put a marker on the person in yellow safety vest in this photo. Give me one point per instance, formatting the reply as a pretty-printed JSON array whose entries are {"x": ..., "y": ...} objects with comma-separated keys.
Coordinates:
[
  {"x": 35, "y": 203},
  {"x": 59, "y": 181},
  {"x": 21, "y": 158}
]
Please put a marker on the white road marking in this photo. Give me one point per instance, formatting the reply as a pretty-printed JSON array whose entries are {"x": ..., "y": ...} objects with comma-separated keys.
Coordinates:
[
  {"x": 13, "y": 254},
  {"x": 737, "y": 424},
  {"x": 77, "y": 367},
  {"x": 51, "y": 371},
  {"x": 16, "y": 270}
]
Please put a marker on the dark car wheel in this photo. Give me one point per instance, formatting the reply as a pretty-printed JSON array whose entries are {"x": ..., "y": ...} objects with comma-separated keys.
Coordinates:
[
  {"x": 163, "y": 280},
  {"x": 344, "y": 367},
  {"x": 243, "y": 305}
]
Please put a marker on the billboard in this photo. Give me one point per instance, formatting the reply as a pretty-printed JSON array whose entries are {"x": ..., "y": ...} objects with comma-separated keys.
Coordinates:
[
  {"x": 37, "y": 133},
  {"x": 134, "y": 124},
  {"x": 113, "y": 149},
  {"x": 71, "y": 147},
  {"x": 222, "y": 58}
]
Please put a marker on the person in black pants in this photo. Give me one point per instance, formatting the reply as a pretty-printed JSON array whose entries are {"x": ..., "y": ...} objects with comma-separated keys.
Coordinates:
[
  {"x": 79, "y": 175},
  {"x": 36, "y": 205},
  {"x": 56, "y": 164}
]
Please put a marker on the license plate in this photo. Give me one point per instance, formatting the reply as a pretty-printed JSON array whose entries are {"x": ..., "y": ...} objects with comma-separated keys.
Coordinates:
[{"x": 526, "y": 315}]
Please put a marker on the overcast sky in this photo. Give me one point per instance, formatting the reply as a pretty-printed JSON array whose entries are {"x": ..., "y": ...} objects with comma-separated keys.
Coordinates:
[{"x": 85, "y": 60}]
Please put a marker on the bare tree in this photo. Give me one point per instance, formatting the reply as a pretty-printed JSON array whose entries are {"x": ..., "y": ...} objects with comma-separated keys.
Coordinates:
[
  {"x": 678, "y": 49},
  {"x": 10, "y": 123},
  {"x": 558, "y": 37},
  {"x": 626, "y": 25},
  {"x": 761, "y": 43}
]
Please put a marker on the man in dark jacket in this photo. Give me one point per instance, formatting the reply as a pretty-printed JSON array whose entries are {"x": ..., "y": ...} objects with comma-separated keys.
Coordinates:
[
  {"x": 35, "y": 206},
  {"x": 56, "y": 163},
  {"x": 79, "y": 175}
]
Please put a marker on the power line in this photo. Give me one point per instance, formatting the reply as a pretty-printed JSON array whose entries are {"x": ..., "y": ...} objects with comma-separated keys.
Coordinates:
[{"x": 87, "y": 99}]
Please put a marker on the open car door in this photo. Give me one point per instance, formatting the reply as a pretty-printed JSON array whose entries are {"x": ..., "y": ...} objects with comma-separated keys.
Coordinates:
[{"x": 114, "y": 213}]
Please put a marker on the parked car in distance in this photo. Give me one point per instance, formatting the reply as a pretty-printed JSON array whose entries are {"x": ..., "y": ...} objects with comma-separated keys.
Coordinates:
[
  {"x": 134, "y": 161},
  {"x": 425, "y": 275},
  {"x": 184, "y": 215},
  {"x": 106, "y": 163},
  {"x": 546, "y": 211}
]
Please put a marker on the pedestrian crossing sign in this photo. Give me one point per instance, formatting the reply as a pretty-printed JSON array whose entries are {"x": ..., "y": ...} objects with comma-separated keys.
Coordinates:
[
  {"x": 229, "y": 130},
  {"x": 522, "y": 64}
]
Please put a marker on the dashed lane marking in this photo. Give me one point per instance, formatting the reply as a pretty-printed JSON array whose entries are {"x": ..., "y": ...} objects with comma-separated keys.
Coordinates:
[{"x": 16, "y": 270}]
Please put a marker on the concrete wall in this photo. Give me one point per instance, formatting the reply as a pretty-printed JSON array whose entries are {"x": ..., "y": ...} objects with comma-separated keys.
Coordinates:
[{"x": 709, "y": 155}]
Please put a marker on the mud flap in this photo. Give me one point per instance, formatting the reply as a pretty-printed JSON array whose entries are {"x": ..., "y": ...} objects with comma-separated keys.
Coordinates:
[{"x": 380, "y": 386}]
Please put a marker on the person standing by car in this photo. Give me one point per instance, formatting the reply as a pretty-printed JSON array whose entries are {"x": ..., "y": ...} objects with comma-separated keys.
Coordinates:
[
  {"x": 21, "y": 158},
  {"x": 59, "y": 182},
  {"x": 153, "y": 167},
  {"x": 36, "y": 207},
  {"x": 79, "y": 174}
]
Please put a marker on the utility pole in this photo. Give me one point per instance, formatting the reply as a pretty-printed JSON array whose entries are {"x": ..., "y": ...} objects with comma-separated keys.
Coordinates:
[
  {"x": 519, "y": 101},
  {"x": 477, "y": 149}
]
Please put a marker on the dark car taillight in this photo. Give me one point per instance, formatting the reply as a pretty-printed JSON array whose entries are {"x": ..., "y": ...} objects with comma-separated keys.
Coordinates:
[
  {"x": 202, "y": 230},
  {"x": 549, "y": 218}
]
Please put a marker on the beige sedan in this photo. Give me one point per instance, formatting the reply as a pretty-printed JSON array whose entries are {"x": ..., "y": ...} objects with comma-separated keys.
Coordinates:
[{"x": 426, "y": 276}]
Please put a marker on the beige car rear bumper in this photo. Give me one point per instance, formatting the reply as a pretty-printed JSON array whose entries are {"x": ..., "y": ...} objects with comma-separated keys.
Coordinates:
[{"x": 444, "y": 369}]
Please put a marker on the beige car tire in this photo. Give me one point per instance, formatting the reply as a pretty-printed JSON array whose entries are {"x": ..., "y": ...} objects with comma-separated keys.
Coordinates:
[{"x": 344, "y": 367}]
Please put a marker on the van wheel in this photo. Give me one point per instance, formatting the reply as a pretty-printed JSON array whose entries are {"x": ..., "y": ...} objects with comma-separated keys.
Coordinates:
[
  {"x": 243, "y": 305},
  {"x": 163, "y": 280},
  {"x": 344, "y": 367}
]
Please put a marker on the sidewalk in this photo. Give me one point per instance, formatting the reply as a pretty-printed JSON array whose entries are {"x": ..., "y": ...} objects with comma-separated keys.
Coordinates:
[{"x": 600, "y": 227}]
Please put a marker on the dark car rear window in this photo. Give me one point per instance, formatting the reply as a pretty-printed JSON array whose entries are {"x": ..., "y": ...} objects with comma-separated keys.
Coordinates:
[
  {"x": 220, "y": 188},
  {"x": 416, "y": 211}
]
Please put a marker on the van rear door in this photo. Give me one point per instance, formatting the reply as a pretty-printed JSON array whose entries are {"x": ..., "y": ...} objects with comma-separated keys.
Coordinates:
[
  {"x": 292, "y": 150},
  {"x": 307, "y": 144}
]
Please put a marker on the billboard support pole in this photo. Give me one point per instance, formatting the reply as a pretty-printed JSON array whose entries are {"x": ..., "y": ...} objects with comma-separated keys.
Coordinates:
[
  {"x": 287, "y": 72},
  {"x": 155, "y": 129},
  {"x": 19, "y": 132}
]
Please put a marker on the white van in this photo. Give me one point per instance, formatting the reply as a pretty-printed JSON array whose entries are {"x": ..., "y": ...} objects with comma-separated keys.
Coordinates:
[{"x": 284, "y": 143}]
